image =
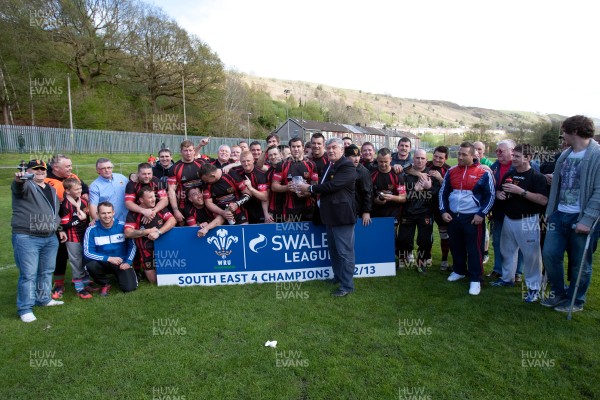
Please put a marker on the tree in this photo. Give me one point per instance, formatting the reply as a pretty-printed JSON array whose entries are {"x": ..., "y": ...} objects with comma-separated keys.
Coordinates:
[{"x": 90, "y": 36}]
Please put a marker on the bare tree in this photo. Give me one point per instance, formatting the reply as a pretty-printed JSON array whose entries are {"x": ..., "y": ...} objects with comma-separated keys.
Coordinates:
[{"x": 90, "y": 36}]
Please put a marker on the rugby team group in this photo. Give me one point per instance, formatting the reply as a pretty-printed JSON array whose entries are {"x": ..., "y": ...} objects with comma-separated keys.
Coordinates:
[{"x": 535, "y": 206}]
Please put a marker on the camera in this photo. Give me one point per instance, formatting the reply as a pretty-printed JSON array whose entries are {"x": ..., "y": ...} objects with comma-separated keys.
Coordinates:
[{"x": 27, "y": 177}]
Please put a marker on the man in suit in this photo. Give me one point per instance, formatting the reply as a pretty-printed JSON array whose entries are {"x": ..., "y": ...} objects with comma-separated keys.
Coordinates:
[{"x": 335, "y": 193}]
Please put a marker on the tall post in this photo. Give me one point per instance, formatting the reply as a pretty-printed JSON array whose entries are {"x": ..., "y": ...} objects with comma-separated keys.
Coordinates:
[
  {"x": 184, "y": 113},
  {"x": 248, "y": 115},
  {"x": 70, "y": 112},
  {"x": 287, "y": 117},
  {"x": 31, "y": 102}
]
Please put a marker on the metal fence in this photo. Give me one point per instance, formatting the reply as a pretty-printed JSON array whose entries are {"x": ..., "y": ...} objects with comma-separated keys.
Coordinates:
[{"x": 42, "y": 140}]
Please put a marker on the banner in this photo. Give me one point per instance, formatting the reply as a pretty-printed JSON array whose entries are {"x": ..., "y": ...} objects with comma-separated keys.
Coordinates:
[{"x": 283, "y": 252}]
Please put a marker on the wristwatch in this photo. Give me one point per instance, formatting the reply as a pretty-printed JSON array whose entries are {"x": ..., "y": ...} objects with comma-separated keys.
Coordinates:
[
  {"x": 524, "y": 193},
  {"x": 159, "y": 232}
]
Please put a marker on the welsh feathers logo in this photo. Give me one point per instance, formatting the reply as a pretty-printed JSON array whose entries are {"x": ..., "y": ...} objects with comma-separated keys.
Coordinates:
[
  {"x": 222, "y": 242},
  {"x": 258, "y": 243}
]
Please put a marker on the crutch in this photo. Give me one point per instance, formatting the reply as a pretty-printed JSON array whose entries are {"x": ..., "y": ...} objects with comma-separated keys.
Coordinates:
[{"x": 585, "y": 250}]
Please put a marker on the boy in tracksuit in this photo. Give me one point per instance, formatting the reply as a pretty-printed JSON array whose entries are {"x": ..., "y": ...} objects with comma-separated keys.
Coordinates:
[{"x": 466, "y": 197}]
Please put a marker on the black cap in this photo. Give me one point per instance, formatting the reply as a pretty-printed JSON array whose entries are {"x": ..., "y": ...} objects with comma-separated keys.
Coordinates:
[
  {"x": 352, "y": 150},
  {"x": 36, "y": 164}
]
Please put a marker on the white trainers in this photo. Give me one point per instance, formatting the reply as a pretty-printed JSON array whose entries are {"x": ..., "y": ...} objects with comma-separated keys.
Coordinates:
[
  {"x": 444, "y": 266},
  {"x": 454, "y": 277},
  {"x": 53, "y": 302},
  {"x": 475, "y": 288},
  {"x": 28, "y": 317}
]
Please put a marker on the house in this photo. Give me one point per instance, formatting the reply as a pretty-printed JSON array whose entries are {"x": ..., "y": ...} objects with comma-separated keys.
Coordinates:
[{"x": 379, "y": 137}]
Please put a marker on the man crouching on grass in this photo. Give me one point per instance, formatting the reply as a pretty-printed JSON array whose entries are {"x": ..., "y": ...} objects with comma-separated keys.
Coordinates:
[
  {"x": 146, "y": 233},
  {"x": 108, "y": 252}
]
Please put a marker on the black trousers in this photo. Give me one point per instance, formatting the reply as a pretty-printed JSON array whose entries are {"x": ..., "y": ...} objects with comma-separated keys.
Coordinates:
[
  {"x": 100, "y": 271},
  {"x": 423, "y": 224}
]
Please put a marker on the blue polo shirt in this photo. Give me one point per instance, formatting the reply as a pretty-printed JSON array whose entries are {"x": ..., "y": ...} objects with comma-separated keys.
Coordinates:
[{"x": 112, "y": 190}]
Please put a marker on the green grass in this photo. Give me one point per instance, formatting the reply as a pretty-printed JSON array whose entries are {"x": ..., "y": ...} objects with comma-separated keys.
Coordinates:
[{"x": 349, "y": 348}]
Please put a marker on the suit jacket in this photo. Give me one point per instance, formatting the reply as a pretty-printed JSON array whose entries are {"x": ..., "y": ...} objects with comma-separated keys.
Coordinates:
[{"x": 336, "y": 192}]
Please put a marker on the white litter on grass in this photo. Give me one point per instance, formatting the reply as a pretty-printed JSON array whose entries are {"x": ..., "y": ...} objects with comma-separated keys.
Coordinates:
[{"x": 271, "y": 343}]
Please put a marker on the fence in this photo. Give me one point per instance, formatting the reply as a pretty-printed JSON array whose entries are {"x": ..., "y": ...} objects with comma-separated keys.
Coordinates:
[{"x": 37, "y": 139}]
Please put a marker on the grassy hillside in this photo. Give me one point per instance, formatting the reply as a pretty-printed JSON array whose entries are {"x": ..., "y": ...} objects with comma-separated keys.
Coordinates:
[{"x": 379, "y": 107}]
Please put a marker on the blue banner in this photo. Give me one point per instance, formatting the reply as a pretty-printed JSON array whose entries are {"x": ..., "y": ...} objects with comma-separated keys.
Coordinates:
[{"x": 283, "y": 252}]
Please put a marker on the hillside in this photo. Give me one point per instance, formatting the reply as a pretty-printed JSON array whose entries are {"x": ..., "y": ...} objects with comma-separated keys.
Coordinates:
[{"x": 378, "y": 109}]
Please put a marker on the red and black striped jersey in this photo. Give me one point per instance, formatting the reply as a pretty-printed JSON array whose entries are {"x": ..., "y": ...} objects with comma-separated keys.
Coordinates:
[
  {"x": 388, "y": 183},
  {"x": 132, "y": 190},
  {"x": 145, "y": 245},
  {"x": 321, "y": 164},
  {"x": 260, "y": 182},
  {"x": 185, "y": 176},
  {"x": 195, "y": 216},
  {"x": 72, "y": 225},
  {"x": 284, "y": 174}
]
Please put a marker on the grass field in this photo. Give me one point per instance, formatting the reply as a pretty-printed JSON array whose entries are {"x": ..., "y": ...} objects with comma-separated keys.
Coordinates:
[{"x": 409, "y": 336}]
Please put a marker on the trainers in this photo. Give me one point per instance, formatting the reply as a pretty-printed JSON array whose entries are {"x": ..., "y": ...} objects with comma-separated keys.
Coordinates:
[
  {"x": 494, "y": 275},
  {"x": 475, "y": 288},
  {"x": 532, "y": 296},
  {"x": 444, "y": 266},
  {"x": 500, "y": 282},
  {"x": 83, "y": 294},
  {"x": 454, "y": 277},
  {"x": 28, "y": 317},
  {"x": 565, "y": 307},
  {"x": 105, "y": 291},
  {"x": 57, "y": 292},
  {"x": 486, "y": 258},
  {"x": 53, "y": 303},
  {"x": 551, "y": 301},
  {"x": 92, "y": 289},
  {"x": 518, "y": 278}
]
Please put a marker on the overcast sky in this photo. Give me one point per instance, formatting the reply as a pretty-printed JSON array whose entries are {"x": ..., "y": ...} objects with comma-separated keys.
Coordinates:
[{"x": 525, "y": 55}]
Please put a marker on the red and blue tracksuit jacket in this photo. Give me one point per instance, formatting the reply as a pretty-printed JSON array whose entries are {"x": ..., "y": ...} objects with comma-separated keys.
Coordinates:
[{"x": 467, "y": 190}]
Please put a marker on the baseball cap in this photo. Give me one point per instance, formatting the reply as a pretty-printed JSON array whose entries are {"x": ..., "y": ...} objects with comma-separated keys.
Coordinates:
[
  {"x": 352, "y": 150},
  {"x": 36, "y": 164}
]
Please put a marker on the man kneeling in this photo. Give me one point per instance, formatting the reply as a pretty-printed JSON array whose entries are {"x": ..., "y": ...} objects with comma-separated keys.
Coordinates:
[{"x": 108, "y": 252}]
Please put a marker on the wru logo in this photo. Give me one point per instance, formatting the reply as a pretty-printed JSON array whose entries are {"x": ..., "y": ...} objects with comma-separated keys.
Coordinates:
[{"x": 222, "y": 242}]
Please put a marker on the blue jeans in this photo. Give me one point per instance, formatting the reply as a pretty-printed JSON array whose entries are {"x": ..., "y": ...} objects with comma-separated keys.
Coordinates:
[
  {"x": 496, "y": 228},
  {"x": 560, "y": 237},
  {"x": 36, "y": 258}
]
